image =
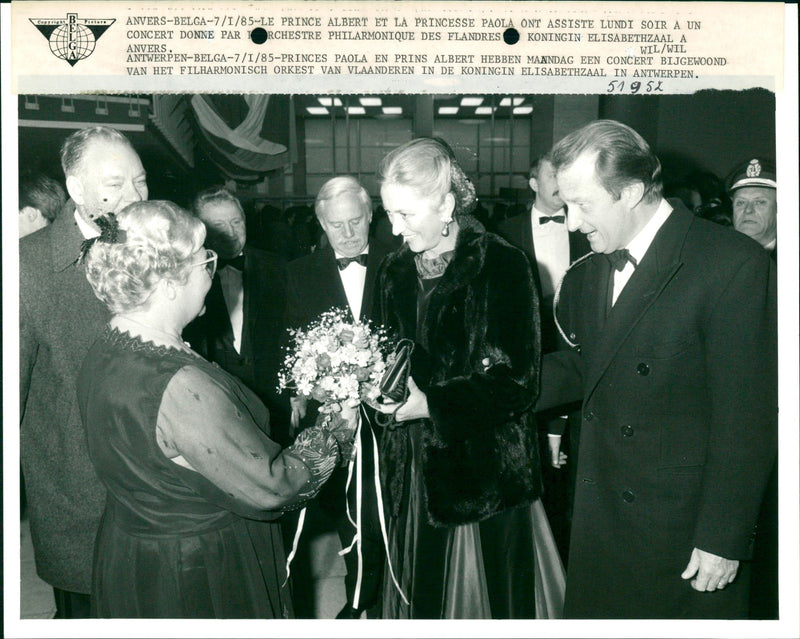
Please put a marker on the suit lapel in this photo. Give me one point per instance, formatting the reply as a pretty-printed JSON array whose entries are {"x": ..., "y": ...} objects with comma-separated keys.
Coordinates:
[
  {"x": 377, "y": 252},
  {"x": 655, "y": 271},
  {"x": 219, "y": 321},
  {"x": 527, "y": 236},
  {"x": 65, "y": 239},
  {"x": 248, "y": 277},
  {"x": 334, "y": 285},
  {"x": 527, "y": 245}
]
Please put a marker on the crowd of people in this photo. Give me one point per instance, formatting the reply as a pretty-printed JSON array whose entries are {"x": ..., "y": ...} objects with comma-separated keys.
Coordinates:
[{"x": 590, "y": 427}]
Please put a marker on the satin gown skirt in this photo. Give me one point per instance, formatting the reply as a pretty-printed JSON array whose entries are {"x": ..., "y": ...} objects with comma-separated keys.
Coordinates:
[{"x": 505, "y": 567}]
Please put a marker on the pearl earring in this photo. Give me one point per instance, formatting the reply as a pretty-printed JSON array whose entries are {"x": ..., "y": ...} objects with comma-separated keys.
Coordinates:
[{"x": 446, "y": 229}]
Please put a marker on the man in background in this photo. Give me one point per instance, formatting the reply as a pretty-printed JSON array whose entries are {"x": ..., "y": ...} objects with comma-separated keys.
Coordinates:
[
  {"x": 342, "y": 275},
  {"x": 753, "y": 188},
  {"x": 241, "y": 327},
  {"x": 59, "y": 320},
  {"x": 41, "y": 199}
]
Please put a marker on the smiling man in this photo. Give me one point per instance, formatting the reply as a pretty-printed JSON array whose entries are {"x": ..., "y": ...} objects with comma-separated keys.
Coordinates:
[
  {"x": 672, "y": 324},
  {"x": 59, "y": 319}
]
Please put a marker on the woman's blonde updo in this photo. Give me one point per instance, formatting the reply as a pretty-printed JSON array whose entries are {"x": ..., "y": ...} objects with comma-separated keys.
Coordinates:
[
  {"x": 429, "y": 167},
  {"x": 157, "y": 240}
]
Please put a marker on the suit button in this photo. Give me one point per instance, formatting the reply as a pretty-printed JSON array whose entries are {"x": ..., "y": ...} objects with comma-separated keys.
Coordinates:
[
  {"x": 589, "y": 416},
  {"x": 643, "y": 369},
  {"x": 626, "y": 430},
  {"x": 628, "y": 496}
]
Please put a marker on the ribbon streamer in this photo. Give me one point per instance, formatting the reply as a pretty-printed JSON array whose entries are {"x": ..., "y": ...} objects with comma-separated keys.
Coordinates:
[{"x": 356, "y": 465}]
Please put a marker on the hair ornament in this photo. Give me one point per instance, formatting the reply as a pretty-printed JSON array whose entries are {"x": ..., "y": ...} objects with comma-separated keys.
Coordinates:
[{"x": 110, "y": 233}]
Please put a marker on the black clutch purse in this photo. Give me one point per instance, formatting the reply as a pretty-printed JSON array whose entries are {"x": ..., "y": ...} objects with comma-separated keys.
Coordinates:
[{"x": 394, "y": 383}]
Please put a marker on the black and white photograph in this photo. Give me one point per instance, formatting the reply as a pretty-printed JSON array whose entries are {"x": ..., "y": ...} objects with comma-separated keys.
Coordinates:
[{"x": 423, "y": 356}]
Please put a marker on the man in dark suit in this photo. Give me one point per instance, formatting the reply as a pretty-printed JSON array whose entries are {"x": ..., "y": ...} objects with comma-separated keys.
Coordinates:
[
  {"x": 342, "y": 275},
  {"x": 673, "y": 326},
  {"x": 543, "y": 234},
  {"x": 59, "y": 319},
  {"x": 241, "y": 328}
]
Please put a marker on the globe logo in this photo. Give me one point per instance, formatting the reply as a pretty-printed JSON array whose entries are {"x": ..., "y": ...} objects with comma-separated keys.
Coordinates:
[
  {"x": 72, "y": 38},
  {"x": 72, "y": 42}
]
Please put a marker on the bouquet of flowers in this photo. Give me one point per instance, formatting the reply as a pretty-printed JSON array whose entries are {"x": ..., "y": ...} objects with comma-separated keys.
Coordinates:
[
  {"x": 335, "y": 361},
  {"x": 340, "y": 364}
]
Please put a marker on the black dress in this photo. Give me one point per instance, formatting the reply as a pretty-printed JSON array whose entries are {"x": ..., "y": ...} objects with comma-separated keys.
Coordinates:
[
  {"x": 505, "y": 567},
  {"x": 171, "y": 544}
]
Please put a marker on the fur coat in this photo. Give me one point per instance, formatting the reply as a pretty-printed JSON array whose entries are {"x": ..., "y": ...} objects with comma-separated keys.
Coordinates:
[{"x": 476, "y": 357}]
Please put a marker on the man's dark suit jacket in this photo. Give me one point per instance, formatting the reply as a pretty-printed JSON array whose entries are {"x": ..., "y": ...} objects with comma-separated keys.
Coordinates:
[
  {"x": 59, "y": 319},
  {"x": 314, "y": 285},
  {"x": 679, "y": 431},
  {"x": 211, "y": 334}
]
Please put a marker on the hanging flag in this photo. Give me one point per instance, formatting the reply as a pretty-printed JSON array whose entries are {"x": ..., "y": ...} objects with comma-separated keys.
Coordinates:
[{"x": 246, "y": 135}]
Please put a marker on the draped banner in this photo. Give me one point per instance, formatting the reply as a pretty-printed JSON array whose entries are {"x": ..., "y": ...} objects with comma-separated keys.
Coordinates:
[{"x": 246, "y": 135}]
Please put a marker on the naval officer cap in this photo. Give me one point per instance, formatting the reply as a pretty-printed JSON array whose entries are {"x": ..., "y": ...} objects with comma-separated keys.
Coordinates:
[{"x": 753, "y": 172}]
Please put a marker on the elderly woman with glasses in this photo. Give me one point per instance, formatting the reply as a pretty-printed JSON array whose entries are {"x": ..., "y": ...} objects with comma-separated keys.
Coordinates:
[{"x": 194, "y": 483}]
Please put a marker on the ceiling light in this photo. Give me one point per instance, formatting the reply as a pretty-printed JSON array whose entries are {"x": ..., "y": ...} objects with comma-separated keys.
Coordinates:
[
  {"x": 317, "y": 110},
  {"x": 523, "y": 110},
  {"x": 448, "y": 110},
  {"x": 330, "y": 102},
  {"x": 471, "y": 102},
  {"x": 484, "y": 110},
  {"x": 356, "y": 110},
  {"x": 507, "y": 101},
  {"x": 393, "y": 110},
  {"x": 370, "y": 102}
]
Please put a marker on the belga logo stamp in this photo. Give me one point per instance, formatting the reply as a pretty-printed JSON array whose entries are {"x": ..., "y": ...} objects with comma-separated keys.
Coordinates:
[{"x": 72, "y": 38}]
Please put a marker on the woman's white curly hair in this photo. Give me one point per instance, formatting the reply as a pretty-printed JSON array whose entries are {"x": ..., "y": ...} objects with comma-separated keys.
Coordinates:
[{"x": 159, "y": 240}]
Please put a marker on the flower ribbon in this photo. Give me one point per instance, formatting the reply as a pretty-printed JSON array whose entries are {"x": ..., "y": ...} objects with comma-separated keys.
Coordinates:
[{"x": 356, "y": 464}]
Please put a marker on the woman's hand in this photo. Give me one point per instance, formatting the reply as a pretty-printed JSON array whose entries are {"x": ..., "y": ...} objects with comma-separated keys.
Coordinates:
[
  {"x": 343, "y": 425},
  {"x": 299, "y": 407},
  {"x": 415, "y": 407}
]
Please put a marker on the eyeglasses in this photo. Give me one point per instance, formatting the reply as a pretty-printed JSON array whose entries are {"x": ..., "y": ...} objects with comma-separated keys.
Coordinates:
[{"x": 210, "y": 263}]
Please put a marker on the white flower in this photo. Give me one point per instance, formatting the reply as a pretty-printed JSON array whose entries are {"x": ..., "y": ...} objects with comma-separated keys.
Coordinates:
[{"x": 354, "y": 352}]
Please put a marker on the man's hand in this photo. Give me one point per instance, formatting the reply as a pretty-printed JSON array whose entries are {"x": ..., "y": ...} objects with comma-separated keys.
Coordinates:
[
  {"x": 298, "y": 405},
  {"x": 557, "y": 458},
  {"x": 713, "y": 572}
]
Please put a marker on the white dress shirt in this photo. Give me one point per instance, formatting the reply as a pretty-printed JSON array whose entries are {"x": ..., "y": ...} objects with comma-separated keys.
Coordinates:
[
  {"x": 638, "y": 246},
  {"x": 353, "y": 278},
  {"x": 551, "y": 243},
  {"x": 233, "y": 291},
  {"x": 86, "y": 230}
]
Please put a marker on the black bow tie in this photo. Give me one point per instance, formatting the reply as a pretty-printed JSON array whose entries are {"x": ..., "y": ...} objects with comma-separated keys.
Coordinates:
[
  {"x": 620, "y": 257},
  {"x": 344, "y": 262},
  {"x": 236, "y": 262},
  {"x": 558, "y": 219}
]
